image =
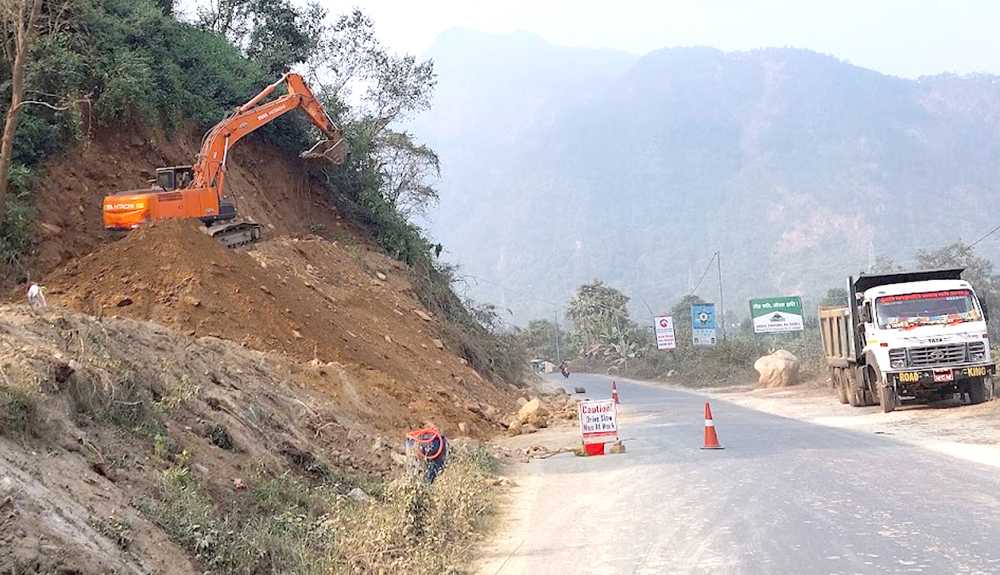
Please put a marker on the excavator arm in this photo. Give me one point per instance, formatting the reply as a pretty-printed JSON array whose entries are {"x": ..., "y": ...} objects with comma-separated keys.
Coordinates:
[
  {"x": 199, "y": 194},
  {"x": 253, "y": 115}
]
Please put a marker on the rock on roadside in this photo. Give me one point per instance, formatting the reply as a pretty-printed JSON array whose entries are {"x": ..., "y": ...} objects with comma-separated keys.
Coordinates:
[{"x": 778, "y": 369}]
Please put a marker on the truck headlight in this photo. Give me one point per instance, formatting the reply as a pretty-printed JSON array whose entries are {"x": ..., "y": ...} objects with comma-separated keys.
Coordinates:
[
  {"x": 897, "y": 358},
  {"x": 977, "y": 356},
  {"x": 898, "y": 363}
]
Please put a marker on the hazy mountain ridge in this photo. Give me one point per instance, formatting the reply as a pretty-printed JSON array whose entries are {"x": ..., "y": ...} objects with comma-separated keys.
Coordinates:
[{"x": 796, "y": 166}]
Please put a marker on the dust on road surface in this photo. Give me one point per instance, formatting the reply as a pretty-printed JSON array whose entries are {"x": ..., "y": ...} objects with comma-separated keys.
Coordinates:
[
  {"x": 970, "y": 432},
  {"x": 785, "y": 496}
]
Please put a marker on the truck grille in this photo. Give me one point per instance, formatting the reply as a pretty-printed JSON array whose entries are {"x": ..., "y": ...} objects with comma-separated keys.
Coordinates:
[
  {"x": 937, "y": 355},
  {"x": 897, "y": 357}
]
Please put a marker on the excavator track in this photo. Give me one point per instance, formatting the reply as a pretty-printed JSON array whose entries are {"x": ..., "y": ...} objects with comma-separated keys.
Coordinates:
[{"x": 235, "y": 234}]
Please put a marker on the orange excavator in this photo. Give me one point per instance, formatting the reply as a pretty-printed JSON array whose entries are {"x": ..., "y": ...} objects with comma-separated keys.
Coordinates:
[{"x": 197, "y": 191}]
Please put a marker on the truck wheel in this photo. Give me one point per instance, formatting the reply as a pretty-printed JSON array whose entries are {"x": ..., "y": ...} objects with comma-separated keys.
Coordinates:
[
  {"x": 980, "y": 390},
  {"x": 870, "y": 388},
  {"x": 888, "y": 398},
  {"x": 854, "y": 383},
  {"x": 840, "y": 382}
]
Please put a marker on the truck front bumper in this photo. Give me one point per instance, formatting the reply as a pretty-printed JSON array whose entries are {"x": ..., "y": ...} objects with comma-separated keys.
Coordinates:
[{"x": 940, "y": 377}]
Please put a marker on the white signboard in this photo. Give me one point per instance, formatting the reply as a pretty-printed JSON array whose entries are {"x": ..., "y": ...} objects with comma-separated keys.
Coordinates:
[
  {"x": 598, "y": 421},
  {"x": 664, "y": 327},
  {"x": 702, "y": 336}
]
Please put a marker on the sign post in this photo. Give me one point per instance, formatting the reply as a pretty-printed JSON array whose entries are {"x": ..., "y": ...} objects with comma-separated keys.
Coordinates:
[
  {"x": 663, "y": 326},
  {"x": 703, "y": 324},
  {"x": 776, "y": 314},
  {"x": 598, "y": 422}
]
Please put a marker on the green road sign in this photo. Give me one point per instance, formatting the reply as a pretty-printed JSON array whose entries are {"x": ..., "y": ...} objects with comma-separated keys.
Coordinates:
[{"x": 776, "y": 314}]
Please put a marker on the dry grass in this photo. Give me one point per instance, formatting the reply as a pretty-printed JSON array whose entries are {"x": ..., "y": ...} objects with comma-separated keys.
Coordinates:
[
  {"x": 285, "y": 524},
  {"x": 18, "y": 412},
  {"x": 417, "y": 528}
]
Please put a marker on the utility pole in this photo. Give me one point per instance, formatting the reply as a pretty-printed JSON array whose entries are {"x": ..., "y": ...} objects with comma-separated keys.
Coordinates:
[
  {"x": 643, "y": 300},
  {"x": 722, "y": 306}
]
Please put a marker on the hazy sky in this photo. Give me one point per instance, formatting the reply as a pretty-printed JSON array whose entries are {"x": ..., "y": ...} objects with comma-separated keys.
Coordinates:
[{"x": 900, "y": 37}]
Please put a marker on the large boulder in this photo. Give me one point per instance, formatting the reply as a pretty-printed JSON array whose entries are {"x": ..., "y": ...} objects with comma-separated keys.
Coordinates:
[
  {"x": 778, "y": 369},
  {"x": 533, "y": 413}
]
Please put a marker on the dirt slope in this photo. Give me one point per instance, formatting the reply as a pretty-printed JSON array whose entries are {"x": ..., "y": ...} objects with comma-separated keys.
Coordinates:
[
  {"x": 310, "y": 351},
  {"x": 268, "y": 186},
  {"x": 115, "y": 402},
  {"x": 310, "y": 299},
  {"x": 315, "y": 289}
]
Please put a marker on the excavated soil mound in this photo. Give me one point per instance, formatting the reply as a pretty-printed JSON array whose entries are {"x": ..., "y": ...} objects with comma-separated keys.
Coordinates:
[
  {"x": 269, "y": 186},
  {"x": 176, "y": 275},
  {"x": 307, "y": 298}
]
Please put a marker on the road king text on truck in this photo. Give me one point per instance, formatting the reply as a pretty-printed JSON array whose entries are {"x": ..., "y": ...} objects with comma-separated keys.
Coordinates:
[{"x": 915, "y": 336}]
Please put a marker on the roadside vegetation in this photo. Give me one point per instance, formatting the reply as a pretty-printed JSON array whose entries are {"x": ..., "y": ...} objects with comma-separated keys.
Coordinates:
[{"x": 284, "y": 524}]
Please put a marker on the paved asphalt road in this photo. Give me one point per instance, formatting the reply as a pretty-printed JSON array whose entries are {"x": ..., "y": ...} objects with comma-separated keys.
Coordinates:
[{"x": 783, "y": 497}]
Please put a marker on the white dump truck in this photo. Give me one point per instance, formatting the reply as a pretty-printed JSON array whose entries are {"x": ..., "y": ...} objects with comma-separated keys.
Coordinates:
[{"x": 914, "y": 336}]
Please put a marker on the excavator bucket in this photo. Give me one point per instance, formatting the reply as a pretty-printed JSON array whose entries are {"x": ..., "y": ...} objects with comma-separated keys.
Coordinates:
[{"x": 330, "y": 150}]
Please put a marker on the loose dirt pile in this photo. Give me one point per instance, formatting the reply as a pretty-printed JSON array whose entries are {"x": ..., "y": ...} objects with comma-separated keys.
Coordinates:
[
  {"x": 539, "y": 412},
  {"x": 310, "y": 299}
]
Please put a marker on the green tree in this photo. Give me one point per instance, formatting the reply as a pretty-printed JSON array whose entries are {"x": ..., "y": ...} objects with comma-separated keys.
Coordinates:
[
  {"x": 387, "y": 173},
  {"x": 835, "y": 296},
  {"x": 978, "y": 270},
  {"x": 601, "y": 325},
  {"x": 405, "y": 170},
  {"x": 681, "y": 313},
  {"x": 539, "y": 338},
  {"x": 19, "y": 23},
  {"x": 276, "y": 34},
  {"x": 598, "y": 312},
  {"x": 885, "y": 265}
]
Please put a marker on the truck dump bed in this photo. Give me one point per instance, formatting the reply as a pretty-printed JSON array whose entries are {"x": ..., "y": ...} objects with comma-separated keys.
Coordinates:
[{"x": 835, "y": 330}]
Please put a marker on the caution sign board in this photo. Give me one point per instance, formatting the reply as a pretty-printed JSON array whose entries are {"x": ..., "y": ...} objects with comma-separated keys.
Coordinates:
[
  {"x": 598, "y": 421},
  {"x": 703, "y": 327},
  {"x": 664, "y": 327},
  {"x": 776, "y": 314}
]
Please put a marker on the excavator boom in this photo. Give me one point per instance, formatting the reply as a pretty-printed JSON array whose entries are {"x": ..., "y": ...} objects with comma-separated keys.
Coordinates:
[{"x": 197, "y": 191}]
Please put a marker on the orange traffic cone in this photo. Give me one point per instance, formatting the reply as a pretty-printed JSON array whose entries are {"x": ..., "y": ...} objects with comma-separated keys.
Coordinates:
[
  {"x": 614, "y": 392},
  {"x": 711, "y": 439}
]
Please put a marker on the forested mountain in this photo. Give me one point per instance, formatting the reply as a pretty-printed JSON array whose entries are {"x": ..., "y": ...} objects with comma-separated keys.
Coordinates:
[{"x": 560, "y": 165}]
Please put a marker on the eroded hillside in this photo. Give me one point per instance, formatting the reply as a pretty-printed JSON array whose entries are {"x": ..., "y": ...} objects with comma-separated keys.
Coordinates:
[{"x": 172, "y": 383}]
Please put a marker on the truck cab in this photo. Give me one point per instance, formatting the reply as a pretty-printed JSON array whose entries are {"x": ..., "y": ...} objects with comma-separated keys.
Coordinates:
[{"x": 922, "y": 335}]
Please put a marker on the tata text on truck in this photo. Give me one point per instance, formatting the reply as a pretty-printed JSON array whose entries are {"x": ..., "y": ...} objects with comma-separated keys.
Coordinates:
[{"x": 915, "y": 336}]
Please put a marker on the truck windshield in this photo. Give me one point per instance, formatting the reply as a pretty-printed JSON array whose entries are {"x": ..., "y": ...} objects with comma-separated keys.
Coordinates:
[{"x": 940, "y": 307}]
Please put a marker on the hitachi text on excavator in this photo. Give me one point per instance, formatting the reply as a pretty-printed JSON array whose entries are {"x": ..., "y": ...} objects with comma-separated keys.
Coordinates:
[{"x": 197, "y": 191}]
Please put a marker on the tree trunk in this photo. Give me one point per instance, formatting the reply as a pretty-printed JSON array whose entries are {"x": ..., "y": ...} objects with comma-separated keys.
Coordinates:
[{"x": 22, "y": 46}]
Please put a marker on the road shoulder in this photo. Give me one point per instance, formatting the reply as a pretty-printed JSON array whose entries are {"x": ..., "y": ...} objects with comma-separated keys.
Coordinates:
[{"x": 970, "y": 432}]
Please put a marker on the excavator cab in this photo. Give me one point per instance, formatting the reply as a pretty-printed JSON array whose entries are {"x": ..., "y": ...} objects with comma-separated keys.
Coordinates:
[{"x": 174, "y": 178}]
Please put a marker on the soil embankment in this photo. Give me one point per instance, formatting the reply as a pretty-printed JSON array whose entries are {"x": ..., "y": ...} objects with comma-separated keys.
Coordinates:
[{"x": 216, "y": 387}]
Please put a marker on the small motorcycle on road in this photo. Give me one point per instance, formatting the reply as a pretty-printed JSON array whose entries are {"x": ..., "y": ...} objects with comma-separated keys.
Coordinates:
[{"x": 564, "y": 369}]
